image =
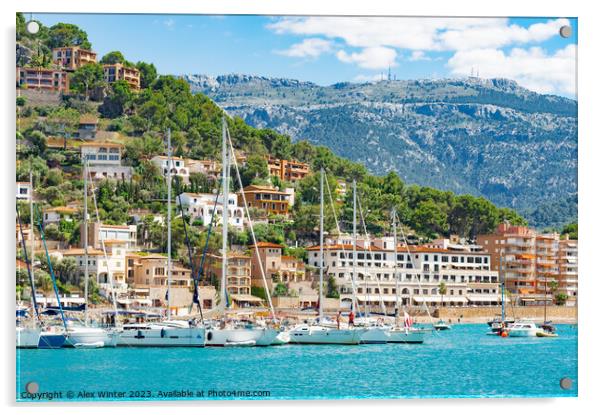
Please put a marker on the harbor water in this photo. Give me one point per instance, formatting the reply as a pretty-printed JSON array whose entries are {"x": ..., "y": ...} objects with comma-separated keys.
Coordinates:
[{"x": 461, "y": 362}]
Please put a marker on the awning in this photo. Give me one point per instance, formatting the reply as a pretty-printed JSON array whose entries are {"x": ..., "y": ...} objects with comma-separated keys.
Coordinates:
[
  {"x": 246, "y": 297},
  {"x": 482, "y": 298},
  {"x": 437, "y": 299}
]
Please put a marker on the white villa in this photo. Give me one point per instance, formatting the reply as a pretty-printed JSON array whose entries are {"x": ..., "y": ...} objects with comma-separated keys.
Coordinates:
[{"x": 200, "y": 206}]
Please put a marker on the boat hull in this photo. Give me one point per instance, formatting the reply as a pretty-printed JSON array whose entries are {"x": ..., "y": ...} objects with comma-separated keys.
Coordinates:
[
  {"x": 376, "y": 335},
  {"x": 523, "y": 333},
  {"x": 28, "y": 338},
  {"x": 51, "y": 340},
  {"x": 282, "y": 338},
  {"x": 241, "y": 336},
  {"x": 403, "y": 336},
  {"x": 326, "y": 336},
  {"x": 82, "y": 337},
  {"x": 162, "y": 337}
]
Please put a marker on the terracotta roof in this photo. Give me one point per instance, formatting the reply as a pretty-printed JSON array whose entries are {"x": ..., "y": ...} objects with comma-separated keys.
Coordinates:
[
  {"x": 62, "y": 209},
  {"x": 102, "y": 144},
  {"x": 401, "y": 249},
  {"x": 88, "y": 119},
  {"x": 266, "y": 245}
]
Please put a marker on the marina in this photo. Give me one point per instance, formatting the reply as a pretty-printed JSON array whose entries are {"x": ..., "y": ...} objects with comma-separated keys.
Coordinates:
[{"x": 462, "y": 362}]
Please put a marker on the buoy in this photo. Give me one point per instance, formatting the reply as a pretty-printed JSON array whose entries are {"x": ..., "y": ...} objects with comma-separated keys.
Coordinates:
[{"x": 504, "y": 334}]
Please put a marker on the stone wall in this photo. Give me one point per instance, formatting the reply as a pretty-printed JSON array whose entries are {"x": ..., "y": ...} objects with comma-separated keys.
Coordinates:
[{"x": 556, "y": 313}]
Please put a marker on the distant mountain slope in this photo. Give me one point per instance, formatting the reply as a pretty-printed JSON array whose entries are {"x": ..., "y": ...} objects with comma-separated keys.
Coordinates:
[{"x": 485, "y": 137}]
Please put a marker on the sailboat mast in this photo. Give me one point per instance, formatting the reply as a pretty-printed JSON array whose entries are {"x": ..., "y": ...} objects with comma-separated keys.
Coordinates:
[
  {"x": 32, "y": 236},
  {"x": 321, "y": 244},
  {"x": 353, "y": 276},
  {"x": 225, "y": 191},
  {"x": 85, "y": 241},
  {"x": 168, "y": 223},
  {"x": 502, "y": 279},
  {"x": 394, "y": 214}
]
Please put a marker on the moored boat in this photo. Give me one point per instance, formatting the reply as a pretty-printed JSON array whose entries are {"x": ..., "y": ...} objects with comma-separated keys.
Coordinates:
[
  {"x": 316, "y": 334},
  {"x": 441, "y": 325},
  {"x": 169, "y": 333},
  {"x": 523, "y": 328},
  {"x": 411, "y": 335},
  {"x": 28, "y": 337}
]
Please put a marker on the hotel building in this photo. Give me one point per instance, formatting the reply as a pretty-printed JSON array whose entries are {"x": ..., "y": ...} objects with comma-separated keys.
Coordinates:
[
  {"x": 265, "y": 198},
  {"x": 43, "y": 79},
  {"x": 238, "y": 278},
  {"x": 530, "y": 262},
  {"x": 200, "y": 206},
  {"x": 72, "y": 57},
  {"x": 467, "y": 275},
  {"x": 104, "y": 160},
  {"x": 277, "y": 267},
  {"x": 119, "y": 72},
  {"x": 113, "y": 233},
  {"x": 287, "y": 170}
]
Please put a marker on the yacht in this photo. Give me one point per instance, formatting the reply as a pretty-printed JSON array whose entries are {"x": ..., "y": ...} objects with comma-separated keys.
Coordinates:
[
  {"x": 240, "y": 334},
  {"x": 406, "y": 335},
  {"x": 317, "y": 334},
  {"x": 523, "y": 328},
  {"x": 168, "y": 333},
  {"x": 441, "y": 325},
  {"x": 85, "y": 336}
]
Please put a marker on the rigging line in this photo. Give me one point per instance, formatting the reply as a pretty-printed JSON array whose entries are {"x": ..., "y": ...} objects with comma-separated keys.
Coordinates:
[
  {"x": 29, "y": 271},
  {"x": 102, "y": 241},
  {"x": 362, "y": 218},
  {"x": 244, "y": 199},
  {"x": 405, "y": 241},
  {"x": 56, "y": 290},
  {"x": 336, "y": 221},
  {"x": 196, "y": 288},
  {"x": 206, "y": 247}
]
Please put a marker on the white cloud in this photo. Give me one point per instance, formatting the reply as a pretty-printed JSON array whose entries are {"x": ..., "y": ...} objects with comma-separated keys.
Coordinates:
[
  {"x": 418, "y": 55},
  {"x": 532, "y": 68},
  {"x": 414, "y": 33},
  {"x": 169, "y": 23},
  {"x": 308, "y": 48},
  {"x": 371, "y": 58}
]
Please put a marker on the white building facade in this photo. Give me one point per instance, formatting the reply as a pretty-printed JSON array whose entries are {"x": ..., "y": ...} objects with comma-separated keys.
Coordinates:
[{"x": 200, "y": 206}]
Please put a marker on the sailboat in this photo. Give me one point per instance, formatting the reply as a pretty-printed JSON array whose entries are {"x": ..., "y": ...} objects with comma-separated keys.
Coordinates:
[
  {"x": 166, "y": 333},
  {"x": 27, "y": 337},
  {"x": 320, "y": 333},
  {"x": 399, "y": 333},
  {"x": 84, "y": 335},
  {"x": 227, "y": 333}
]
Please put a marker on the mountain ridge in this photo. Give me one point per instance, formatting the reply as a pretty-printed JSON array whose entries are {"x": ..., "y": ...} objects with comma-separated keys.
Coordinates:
[{"x": 487, "y": 137}]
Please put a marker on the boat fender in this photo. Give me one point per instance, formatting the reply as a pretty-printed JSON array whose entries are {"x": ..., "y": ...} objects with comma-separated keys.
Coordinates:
[
  {"x": 209, "y": 335},
  {"x": 162, "y": 333}
]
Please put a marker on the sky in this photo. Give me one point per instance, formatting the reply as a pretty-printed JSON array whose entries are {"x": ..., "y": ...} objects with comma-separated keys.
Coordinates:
[{"x": 327, "y": 50}]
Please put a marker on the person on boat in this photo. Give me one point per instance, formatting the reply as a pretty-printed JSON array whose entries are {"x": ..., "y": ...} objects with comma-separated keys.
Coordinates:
[
  {"x": 339, "y": 320},
  {"x": 351, "y": 319}
]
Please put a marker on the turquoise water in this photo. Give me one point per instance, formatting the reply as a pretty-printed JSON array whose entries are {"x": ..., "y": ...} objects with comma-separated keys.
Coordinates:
[{"x": 461, "y": 362}]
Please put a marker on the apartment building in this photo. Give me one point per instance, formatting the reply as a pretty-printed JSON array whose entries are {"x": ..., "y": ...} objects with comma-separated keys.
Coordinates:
[
  {"x": 238, "y": 278},
  {"x": 200, "y": 206},
  {"x": 105, "y": 161},
  {"x": 266, "y": 198},
  {"x": 277, "y": 267},
  {"x": 467, "y": 275},
  {"x": 24, "y": 191},
  {"x": 88, "y": 127},
  {"x": 568, "y": 267},
  {"x": 118, "y": 72},
  {"x": 72, "y": 57},
  {"x": 287, "y": 170},
  {"x": 177, "y": 166},
  {"x": 109, "y": 233},
  {"x": 56, "y": 214},
  {"x": 43, "y": 79},
  {"x": 531, "y": 262}
]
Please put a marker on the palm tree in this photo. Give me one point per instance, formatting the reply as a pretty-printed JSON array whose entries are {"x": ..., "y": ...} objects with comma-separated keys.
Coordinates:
[{"x": 442, "y": 290}]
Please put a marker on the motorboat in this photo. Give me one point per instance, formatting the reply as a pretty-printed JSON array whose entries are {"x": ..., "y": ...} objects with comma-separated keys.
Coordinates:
[
  {"x": 168, "y": 333},
  {"x": 318, "y": 334},
  {"x": 523, "y": 328},
  {"x": 441, "y": 325},
  {"x": 239, "y": 333}
]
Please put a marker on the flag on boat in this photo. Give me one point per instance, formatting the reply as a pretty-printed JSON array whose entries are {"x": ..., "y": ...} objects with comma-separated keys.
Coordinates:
[{"x": 407, "y": 320}]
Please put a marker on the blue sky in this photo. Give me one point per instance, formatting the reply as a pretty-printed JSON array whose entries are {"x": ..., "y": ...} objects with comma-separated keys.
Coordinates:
[{"x": 326, "y": 50}]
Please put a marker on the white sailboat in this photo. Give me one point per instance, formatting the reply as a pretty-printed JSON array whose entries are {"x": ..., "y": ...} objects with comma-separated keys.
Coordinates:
[
  {"x": 234, "y": 333},
  {"x": 167, "y": 333},
  {"x": 401, "y": 333},
  {"x": 320, "y": 333},
  {"x": 84, "y": 335}
]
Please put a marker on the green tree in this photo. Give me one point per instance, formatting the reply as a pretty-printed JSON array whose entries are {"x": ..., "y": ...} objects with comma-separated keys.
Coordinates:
[
  {"x": 256, "y": 168},
  {"x": 571, "y": 230},
  {"x": 442, "y": 289},
  {"x": 332, "y": 291},
  {"x": 65, "y": 34},
  {"x": 86, "y": 78},
  {"x": 117, "y": 101},
  {"x": 560, "y": 298},
  {"x": 112, "y": 58},
  {"x": 148, "y": 73},
  {"x": 280, "y": 290}
]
